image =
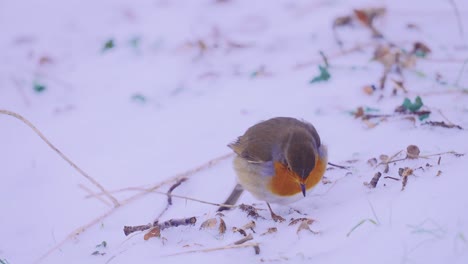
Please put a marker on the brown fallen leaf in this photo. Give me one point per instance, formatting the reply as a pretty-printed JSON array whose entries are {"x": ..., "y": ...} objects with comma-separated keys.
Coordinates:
[
  {"x": 240, "y": 230},
  {"x": 372, "y": 162},
  {"x": 209, "y": 224},
  {"x": 222, "y": 226},
  {"x": 412, "y": 152},
  {"x": 302, "y": 219},
  {"x": 305, "y": 226},
  {"x": 270, "y": 230},
  {"x": 369, "y": 89},
  {"x": 154, "y": 232}
]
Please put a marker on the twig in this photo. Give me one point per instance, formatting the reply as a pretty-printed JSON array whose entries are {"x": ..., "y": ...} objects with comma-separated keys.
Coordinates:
[
  {"x": 133, "y": 198},
  {"x": 325, "y": 59},
  {"x": 442, "y": 124},
  {"x": 339, "y": 166},
  {"x": 459, "y": 21},
  {"x": 374, "y": 181},
  {"x": 243, "y": 240},
  {"x": 166, "y": 224},
  {"x": 145, "y": 190},
  {"x": 341, "y": 53},
  {"x": 169, "y": 196},
  {"x": 92, "y": 194},
  {"x": 80, "y": 171},
  {"x": 390, "y": 177},
  {"x": 246, "y": 245},
  {"x": 359, "y": 224}
]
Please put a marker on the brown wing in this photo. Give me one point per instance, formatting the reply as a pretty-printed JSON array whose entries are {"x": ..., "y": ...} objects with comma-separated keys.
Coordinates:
[{"x": 261, "y": 140}]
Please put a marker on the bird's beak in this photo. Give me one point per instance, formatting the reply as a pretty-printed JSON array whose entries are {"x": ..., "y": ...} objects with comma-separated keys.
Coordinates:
[{"x": 303, "y": 189}]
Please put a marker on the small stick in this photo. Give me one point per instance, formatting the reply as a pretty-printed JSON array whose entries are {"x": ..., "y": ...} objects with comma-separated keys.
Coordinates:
[
  {"x": 166, "y": 224},
  {"x": 459, "y": 21},
  {"x": 243, "y": 240},
  {"x": 339, "y": 166},
  {"x": 390, "y": 177},
  {"x": 93, "y": 194},
  {"x": 156, "y": 186},
  {"x": 78, "y": 169},
  {"x": 375, "y": 180},
  {"x": 169, "y": 196},
  {"x": 254, "y": 245},
  {"x": 442, "y": 124}
]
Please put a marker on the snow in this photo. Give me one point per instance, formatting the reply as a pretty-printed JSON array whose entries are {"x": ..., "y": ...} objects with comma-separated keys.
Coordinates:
[{"x": 195, "y": 103}]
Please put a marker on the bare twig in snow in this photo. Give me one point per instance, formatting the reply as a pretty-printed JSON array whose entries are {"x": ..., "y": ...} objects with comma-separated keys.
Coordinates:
[
  {"x": 78, "y": 169},
  {"x": 169, "y": 196},
  {"x": 166, "y": 224}
]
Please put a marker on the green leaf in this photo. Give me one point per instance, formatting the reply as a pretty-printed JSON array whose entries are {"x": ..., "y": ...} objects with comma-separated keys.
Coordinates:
[
  {"x": 424, "y": 116},
  {"x": 103, "y": 244},
  {"x": 139, "y": 98},
  {"x": 108, "y": 45},
  {"x": 323, "y": 76},
  {"x": 413, "y": 107},
  {"x": 38, "y": 87},
  {"x": 420, "y": 54},
  {"x": 135, "y": 42}
]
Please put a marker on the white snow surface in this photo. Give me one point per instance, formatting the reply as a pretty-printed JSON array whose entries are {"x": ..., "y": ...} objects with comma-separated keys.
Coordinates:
[{"x": 138, "y": 114}]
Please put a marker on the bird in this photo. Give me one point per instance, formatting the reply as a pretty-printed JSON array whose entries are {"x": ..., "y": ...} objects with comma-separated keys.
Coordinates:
[{"x": 278, "y": 161}]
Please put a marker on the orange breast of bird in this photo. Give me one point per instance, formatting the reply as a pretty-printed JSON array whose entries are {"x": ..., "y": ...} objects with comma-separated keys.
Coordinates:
[{"x": 286, "y": 182}]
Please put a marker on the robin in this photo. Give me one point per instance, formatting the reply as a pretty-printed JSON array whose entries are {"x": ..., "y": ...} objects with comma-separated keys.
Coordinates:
[{"x": 278, "y": 161}]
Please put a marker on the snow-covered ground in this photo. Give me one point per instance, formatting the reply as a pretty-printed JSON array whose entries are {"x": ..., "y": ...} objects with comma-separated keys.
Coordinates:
[{"x": 178, "y": 81}]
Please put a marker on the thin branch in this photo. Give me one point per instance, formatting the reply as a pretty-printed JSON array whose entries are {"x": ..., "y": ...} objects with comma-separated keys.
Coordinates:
[
  {"x": 245, "y": 245},
  {"x": 166, "y": 224},
  {"x": 459, "y": 21},
  {"x": 133, "y": 198},
  {"x": 78, "y": 169},
  {"x": 169, "y": 196},
  {"x": 93, "y": 194},
  {"x": 339, "y": 166}
]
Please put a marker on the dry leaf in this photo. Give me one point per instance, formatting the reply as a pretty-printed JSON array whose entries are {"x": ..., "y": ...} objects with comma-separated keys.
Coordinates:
[
  {"x": 369, "y": 89},
  {"x": 342, "y": 21},
  {"x": 372, "y": 162},
  {"x": 383, "y": 158},
  {"x": 240, "y": 230},
  {"x": 363, "y": 17},
  {"x": 222, "y": 226},
  {"x": 305, "y": 226},
  {"x": 154, "y": 232},
  {"x": 359, "y": 112},
  {"x": 302, "y": 219},
  {"x": 439, "y": 173},
  {"x": 209, "y": 224},
  {"x": 250, "y": 225},
  {"x": 369, "y": 123},
  {"x": 270, "y": 230},
  {"x": 412, "y": 152}
]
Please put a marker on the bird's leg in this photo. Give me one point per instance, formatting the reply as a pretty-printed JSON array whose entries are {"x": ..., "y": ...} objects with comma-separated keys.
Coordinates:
[
  {"x": 232, "y": 199},
  {"x": 275, "y": 217}
]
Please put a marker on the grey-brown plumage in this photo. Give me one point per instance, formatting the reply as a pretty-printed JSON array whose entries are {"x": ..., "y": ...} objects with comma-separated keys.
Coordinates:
[{"x": 282, "y": 139}]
